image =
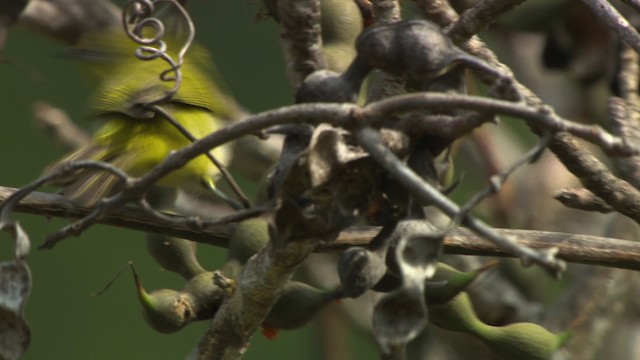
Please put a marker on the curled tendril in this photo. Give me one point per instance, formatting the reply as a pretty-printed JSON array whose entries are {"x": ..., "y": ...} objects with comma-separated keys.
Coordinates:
[{"x": 137, "y": 20}]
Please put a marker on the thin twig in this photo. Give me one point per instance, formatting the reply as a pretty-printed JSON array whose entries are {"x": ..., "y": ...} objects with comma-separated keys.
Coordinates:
[
  {"x": 480, "y": 16},
  {"x": 605, "y": 11},
  {"x": 338, "y": 115},
  {"x": 596, "y": 177},
  {"x": 628, "y": 75},
  {"x": 540, "y": 118},
  {"x": 497, "y": 181},
  {"x": 52, "y": 205},
  {"x": 577, "y": 248},
  {"x": 56, "y": 122},
  {"x": 223, "y": 169},
  {"x": 582, "y": 199},
  {"x": 624, "y": 114},
  {"x": 566, "y": 149},
  {"x": 136, "y": 188},
  {"x": 69, "y": 20},
  {"x": 8, "y": 204},
  {"x": 369, "y": 139}
]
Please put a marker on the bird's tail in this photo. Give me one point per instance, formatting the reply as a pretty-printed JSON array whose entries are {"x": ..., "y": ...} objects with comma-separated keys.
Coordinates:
[{"x": 87, "y": 186}]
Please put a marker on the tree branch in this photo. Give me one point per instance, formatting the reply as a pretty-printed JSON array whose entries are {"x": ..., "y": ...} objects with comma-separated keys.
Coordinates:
[
  {"x": 341, "y": 115},
  {"x": 301, "y": 41},
  {"x": 576, "y": 248},
  {"x": 568, "y": 151}
]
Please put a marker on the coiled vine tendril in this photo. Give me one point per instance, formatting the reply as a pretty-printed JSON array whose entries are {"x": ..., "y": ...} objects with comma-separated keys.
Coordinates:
[{"x": 137, "y": 19}]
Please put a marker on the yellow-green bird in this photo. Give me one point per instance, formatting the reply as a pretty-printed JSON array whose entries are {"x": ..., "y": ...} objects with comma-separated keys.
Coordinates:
[{"x": 132, "y": 137}]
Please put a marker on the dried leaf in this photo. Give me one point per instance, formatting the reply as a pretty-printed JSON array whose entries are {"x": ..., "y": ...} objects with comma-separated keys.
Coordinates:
[{"x": 328, "y": 152}]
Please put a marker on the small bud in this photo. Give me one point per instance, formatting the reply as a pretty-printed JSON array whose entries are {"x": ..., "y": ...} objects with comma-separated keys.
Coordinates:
[{"x": 174, "y": 254}]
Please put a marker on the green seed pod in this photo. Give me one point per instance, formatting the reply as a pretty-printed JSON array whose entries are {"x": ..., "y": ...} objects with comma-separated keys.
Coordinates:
[
  {"x": 523, "y": 341},
  {"x": 455, "y": 282},
  {"x": 341, "y": 24},
  {"x": 205, "y": 294},
  {"x": 250, "y": 236},
  {"x": 165, "y": 310},
  {"x": 174, "y": 254},
  {"x": 298, "y": 303},
  {"x": 455, "y": 315}
]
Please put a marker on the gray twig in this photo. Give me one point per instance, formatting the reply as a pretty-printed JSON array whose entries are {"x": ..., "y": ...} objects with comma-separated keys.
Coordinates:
[
  {"x": 427, "y": 194},
  {"x": 57, "y": 123},
  {"x": 576, "y": 248},
  {"x": 582, "y": 199},
  {"x": 616, "y": 21}
]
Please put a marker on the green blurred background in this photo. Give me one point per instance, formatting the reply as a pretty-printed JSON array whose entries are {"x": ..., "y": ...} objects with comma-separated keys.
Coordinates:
[{"x": 67, "y": 322}]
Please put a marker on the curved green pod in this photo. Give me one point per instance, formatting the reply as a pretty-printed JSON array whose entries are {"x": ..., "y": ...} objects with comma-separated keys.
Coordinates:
[
  {"x": 522, "y": 341},
  {"x": 174, "y": 254}
]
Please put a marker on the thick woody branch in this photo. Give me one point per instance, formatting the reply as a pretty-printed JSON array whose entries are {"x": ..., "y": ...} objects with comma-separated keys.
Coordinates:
[{"x": 300, "y": 36}]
